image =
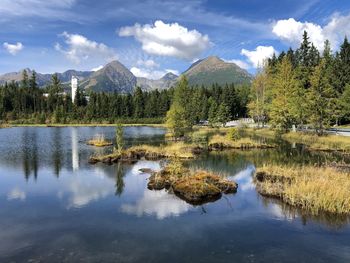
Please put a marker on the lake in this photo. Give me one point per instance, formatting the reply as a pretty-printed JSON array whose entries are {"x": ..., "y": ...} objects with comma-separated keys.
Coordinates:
[{"x": 55, "y": 207}]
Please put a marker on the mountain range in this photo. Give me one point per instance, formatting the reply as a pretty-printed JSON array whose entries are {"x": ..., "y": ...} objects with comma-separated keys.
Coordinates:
[{"x": 115, "y": 77}]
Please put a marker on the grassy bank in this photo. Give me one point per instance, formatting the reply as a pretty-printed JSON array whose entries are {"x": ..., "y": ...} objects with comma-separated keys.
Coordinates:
[
  {"x": 328, "y": 142},
  {"x": 320, "y": 143},
  {"x": 313, "y": 188},
  {"x": 170, "y": 150}
]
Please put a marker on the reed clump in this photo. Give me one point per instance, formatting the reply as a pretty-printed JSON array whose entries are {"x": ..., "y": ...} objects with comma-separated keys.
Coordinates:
[
  {"x": 315, "y": 189},
  {"x": 99, "y": 141}
]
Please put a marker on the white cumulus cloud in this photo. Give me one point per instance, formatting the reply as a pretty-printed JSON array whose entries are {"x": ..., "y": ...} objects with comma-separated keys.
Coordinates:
[
  {"x": 151, "y": 74},
  {"x": 171, "y": 40},
  {"x": 13, "y": 49},
  {"x": 259, "y": 55},
  {"x": 239, "y": 63},
  {"x": 149, "y": 63},
  {"x": 97, "y": 68},
  {"x": 291, "y": 31},
  {"x": 79, "y": 48}
]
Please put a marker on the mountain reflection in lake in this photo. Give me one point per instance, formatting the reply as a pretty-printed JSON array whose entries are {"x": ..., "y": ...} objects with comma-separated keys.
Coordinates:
[{"x": 55, "y": 207}]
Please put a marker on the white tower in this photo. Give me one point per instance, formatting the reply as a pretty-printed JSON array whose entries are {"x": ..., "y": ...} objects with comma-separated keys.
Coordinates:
[{"x": 74, "y": 86}]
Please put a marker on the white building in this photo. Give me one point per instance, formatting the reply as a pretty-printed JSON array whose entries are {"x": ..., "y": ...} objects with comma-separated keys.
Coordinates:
[{"x": 74, "y": 87}]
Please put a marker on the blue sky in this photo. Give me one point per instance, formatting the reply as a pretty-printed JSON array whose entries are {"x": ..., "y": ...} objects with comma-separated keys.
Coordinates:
[{"x": 153, "y": 37}]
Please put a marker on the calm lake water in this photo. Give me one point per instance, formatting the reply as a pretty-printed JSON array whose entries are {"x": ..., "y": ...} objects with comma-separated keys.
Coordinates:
[{"x": 55, "y": 207}]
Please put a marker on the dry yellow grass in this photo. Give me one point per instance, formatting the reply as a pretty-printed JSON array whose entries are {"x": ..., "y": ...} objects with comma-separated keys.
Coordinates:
[
  {"x": 179, "y": 150},
  {"x": 222, "y": 142},
  {"x": 194, "y": 186},
  {"x": 262, "y": 132},
  {"x": 313, "y": 188},
  {"x": 320, "y": 143},
  {"x": 175, "y": 149},
  {"x": 99, "y": 141}
]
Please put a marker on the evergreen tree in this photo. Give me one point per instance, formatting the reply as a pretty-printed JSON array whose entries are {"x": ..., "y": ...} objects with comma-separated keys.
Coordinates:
[
  {"x": 213, "y": 111},
  {"x": 138, "y": 102},
  {"x": 321, "y": 99},
  {"x": 223, "y": 114},
  {"x": 179, "y": 118}
]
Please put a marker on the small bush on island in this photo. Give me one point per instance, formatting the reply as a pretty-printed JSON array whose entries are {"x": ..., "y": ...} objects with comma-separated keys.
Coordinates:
[{"x": 315, "y": 189}]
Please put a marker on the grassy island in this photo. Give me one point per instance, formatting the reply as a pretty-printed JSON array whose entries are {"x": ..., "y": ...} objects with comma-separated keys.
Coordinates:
[
  {"x": 99, "y": 141},
  {"x": 194, "y": 186},
  {"x": 316, "y": 189}
]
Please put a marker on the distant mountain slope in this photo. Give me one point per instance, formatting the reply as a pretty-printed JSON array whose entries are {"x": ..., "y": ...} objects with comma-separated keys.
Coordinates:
[
  {"x": 214, "y": 70},
  {"x": 165, "y": 82},
  {"x": 44, "y": 79},
  {"x": 113, "y": 77}
]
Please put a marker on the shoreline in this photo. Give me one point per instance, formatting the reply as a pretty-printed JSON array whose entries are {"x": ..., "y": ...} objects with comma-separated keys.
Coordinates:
[{"x": 82, "y": 125}]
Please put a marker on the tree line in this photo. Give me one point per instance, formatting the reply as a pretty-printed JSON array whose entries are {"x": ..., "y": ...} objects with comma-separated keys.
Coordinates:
[
  {"x": 303, "y": 87},
  {"x": 26, "y": 102}
]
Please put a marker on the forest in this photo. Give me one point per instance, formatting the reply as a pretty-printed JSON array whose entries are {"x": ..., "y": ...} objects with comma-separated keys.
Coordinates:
[
  {"x": 305, "y": 88},
  {"x": 26, "y": 103}
]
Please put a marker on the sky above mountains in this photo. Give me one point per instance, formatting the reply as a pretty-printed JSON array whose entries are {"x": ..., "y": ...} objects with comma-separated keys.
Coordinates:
[{"x": 153, "y": 37}]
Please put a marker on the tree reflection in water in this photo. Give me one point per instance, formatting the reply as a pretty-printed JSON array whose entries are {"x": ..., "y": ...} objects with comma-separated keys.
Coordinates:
[{"x": 119, "y": 180}]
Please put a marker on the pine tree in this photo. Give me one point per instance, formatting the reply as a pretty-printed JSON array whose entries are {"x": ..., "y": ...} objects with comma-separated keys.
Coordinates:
[
  {"x": 223, "y": 114},
  {"x": 138, "y": 102},
  {"x": 179, "y": 118}
]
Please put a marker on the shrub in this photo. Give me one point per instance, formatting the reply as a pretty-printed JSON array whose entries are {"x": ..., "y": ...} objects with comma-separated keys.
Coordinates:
[{"x": 233, "y": 134}]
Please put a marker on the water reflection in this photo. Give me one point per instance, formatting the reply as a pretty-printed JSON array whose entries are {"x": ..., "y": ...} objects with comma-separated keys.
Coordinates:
[
  {"x": 75, "y": 149},
  {"x": 29, "y": 154},
  {"x": 57, "y": 156},
  {"x": 16, "y": 194},
  {"x": 73, "y": 210},
  {"x": 158, "y": 203},
  {"x": 119, "y": 180}
]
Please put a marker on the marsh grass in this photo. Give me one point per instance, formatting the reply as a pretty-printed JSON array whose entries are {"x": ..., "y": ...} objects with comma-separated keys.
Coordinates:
[
  {"x": 313, "y": 188},
  {"x": 320, "y": 143},
  {"x": 218, "y": 142},
  {"x": 179, "y": 150},
  {"x": 99, "y": 141}
]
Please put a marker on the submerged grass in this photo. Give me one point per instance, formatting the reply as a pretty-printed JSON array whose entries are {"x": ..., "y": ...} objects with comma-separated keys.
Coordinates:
[{"x": 313, "y": 188}]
